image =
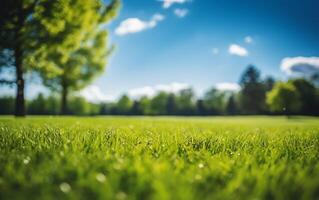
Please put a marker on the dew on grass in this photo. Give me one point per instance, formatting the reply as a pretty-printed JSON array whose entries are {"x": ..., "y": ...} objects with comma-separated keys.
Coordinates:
[
  {"x": 65, "y": 187},
  {"x": 100, "y": 177},
  {"x": 200, "y": 165},
  {"x": 120, "y": 195},
  {"x": 27, "y": 160},
  {"x": 198, "y": 177}
]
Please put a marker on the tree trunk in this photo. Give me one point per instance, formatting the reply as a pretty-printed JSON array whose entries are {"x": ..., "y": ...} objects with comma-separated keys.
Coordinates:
[
  {"x": 20, "y": 104},
  {"x": 18, "y": 56},
  {"x": 64, "y": 97}
]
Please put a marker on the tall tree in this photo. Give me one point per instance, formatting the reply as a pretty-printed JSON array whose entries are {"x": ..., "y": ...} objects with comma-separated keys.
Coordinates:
[
  {"x": 124, "y": 105},
  {"x": 269, "y": 83},
  {"x": 200, "y": 107},
  {"x": 231, "y": 107},
  {"x": 214, "y": 101},
  {"x": 284, "y": 98},
  {"x": 171, "y": 106},
  {"x": 185, "y": 102},
  {"x": 16, "y": 16},
  {"x": 136, "y": 108},
  {"x": 253, "y": 94},
  {"x": 145, "y": 105},
  {"x": 80, "y": 29},
  {"x": 159, "y": 104},
  {"x": 308, "y": 96}
]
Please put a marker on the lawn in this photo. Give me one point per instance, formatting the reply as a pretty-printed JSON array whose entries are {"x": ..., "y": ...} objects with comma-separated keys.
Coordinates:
[{"x": 159, "y": 158}]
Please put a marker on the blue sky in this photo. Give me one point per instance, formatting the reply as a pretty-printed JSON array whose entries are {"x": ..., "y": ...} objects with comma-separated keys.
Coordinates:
[
  {"x": 180, "y": 49},
  {"x": 210, "y": 42}
]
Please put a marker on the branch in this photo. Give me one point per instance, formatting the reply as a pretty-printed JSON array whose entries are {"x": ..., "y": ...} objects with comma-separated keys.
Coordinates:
[{"x": 6, "y": 82}]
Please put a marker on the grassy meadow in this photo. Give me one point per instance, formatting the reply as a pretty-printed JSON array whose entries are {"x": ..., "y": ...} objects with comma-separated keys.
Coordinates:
[{"x": 159, "y": 158}]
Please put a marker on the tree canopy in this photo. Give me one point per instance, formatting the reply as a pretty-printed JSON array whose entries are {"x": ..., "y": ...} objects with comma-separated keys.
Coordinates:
[
  {"x": 284, "y": 98},
  {"x": 79, "y": 27}
]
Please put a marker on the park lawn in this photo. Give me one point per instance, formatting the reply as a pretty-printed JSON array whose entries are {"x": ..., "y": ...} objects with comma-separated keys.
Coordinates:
[{"x": 159, "y": 158}]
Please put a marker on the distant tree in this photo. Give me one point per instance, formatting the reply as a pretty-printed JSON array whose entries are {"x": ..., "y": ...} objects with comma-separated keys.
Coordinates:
[
  {"x": 105, "y": 109},
  {"x": 159, "y": 104},
  {"x": 124, "y": 105},
  {"x": 136, "y": 108},
  {"x": 269, "y": 83},
  {"x": 145, "y": 105},
  {"x": 80, "y": 106},
  {"x": 185, "y": 102},
  {"x": 253, "y": 93},
  {"x": 53, "y": 105},
  {"x": 6, "y": 105},
  {"x": 38, "y": 106},
  {"x": 231, "y": 107},
  {"x": 214, "y": 102},
  {"x": 284, "y": 98},
  {"x": 308, "y": 96},
  {"x": 171, "y": 106},
  {"x": 79, "y": 28},
  {"x": 42, "y": 105},
  {"x": 200, "y": 107}
]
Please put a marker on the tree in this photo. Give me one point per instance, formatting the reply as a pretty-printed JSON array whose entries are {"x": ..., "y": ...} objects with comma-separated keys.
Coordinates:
[
  {"x": 79, "y": 28},
  {"x": 214, "y": 101},
  {"x": 16, "y": 17},
  {"x": 159, "y": 104},
  {"x": 38, "y": 105},
  {"x": 124, "y": 105},
  {"x": 284, "y": 98},
  {"x": 308, "y": 96},
  {"x": 6, "y": 105},
  {"x": 269, "y": 83},
  {"x": 136, "y": 108},
  {"x": 185, "y": 102},
  {"x": 145, "y": 105},
  {"x": 231, "y": 107},
  {"x": 79, "y": 106},
  {"x": 253, "y": 94},
  {"x": 171, "y": 106},
  {"x": 200, "y": 107}
]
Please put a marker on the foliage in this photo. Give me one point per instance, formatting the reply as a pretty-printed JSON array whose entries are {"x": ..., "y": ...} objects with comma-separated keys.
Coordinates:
[
  {"x": 16, "y": 17},
  {"x": 159, "y": 104},
  {"x": 252, "y": 96},
  {"x": 214, "y": 101},
  {"x": 124, "y": 105},
  {"x": 231, "y": 107},
  {"x": 6, "y": 105},
  {"x": 78, "y": 27},
  {"x": 284, "y": 98},
  {"x": 309, "y": 98},
  {"x": 159, "y": 158},
  {"x": 63, "y": 40}
]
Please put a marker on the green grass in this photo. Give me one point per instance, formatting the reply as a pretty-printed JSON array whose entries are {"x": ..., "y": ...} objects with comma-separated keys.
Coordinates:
[{"x": 159, "y": 158}]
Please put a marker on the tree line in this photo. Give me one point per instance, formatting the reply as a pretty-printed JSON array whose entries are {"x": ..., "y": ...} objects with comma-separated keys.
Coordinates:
[
  {"x": 63, "y": 42},
  {"x": 257, "y": 96}
]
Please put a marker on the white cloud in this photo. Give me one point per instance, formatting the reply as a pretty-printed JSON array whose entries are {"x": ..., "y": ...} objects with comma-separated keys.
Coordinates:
[
  {"x": 235, "y": 49},
  {"x": 94, "y": 94},
  {"x": 300, "y": 65},
  {"x": 249, "y": 39},
  {"x": 151, "y": 91},
  {"x": 215, "y": 51},
  {"x": 227, "y": 86},
  {"x": 169, "y": 3},
  {"x": 135, "y": 25},
  {"x": 180, "y": 12}
]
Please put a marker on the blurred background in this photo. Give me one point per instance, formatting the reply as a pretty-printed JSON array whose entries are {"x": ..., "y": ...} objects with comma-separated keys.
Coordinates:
[{"x": 159, "y": 57}]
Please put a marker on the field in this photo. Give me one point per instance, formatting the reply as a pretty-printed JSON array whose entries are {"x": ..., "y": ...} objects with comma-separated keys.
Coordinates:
[{"x": 159, "y": 158}]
